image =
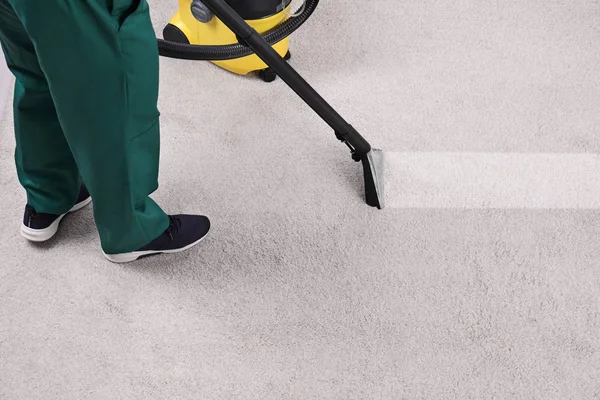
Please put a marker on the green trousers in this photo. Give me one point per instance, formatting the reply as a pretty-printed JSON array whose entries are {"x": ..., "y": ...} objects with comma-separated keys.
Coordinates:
[{"x": 85, "y": 108}]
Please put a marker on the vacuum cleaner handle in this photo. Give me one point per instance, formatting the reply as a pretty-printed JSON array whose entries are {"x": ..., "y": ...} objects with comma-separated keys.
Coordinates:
[{"x": 360, "y": 148}]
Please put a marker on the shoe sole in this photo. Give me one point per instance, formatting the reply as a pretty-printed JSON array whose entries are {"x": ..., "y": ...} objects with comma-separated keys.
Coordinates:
[
  {"x": 42, "y": 235},
  {"x": 136, "y": 255}
]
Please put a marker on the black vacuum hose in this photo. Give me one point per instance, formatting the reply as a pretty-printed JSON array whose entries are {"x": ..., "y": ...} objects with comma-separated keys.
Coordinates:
[{"x": 188, "y": 51}]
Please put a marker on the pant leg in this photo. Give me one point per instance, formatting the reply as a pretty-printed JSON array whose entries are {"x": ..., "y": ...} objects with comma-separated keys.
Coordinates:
[
  {"x": 45, "y": 165},
  {"x": 100, "y": 58}
]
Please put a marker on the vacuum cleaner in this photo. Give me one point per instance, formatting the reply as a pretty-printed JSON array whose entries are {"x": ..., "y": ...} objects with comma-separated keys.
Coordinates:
[
  {"x": 243, "y": 36},
  {"x": 194, "y": 23}
]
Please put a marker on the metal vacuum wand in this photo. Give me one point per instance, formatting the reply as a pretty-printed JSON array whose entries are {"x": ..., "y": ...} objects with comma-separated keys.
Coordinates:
[{"x": 372, "y": 159}]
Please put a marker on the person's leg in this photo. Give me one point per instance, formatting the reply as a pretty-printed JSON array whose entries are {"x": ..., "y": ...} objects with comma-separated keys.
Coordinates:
[
  {"x": 45, "y": 165},
  {"x": 100, "y": 60}
]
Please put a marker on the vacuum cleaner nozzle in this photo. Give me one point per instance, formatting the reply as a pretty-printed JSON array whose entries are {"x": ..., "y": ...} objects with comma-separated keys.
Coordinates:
[{"x": 373, "y": 169}]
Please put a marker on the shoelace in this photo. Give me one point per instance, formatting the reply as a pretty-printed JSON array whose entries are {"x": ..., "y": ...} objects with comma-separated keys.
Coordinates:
[{"x": 174, "y": 225}]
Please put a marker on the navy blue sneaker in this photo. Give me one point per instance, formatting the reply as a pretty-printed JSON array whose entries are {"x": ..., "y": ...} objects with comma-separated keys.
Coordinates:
[
  {"x": 39, "y": 227},
  {"x": 183, "y": 233}
]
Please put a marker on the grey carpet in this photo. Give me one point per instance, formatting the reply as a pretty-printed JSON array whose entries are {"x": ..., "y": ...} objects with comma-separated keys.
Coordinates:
[
  {"x": 5, "y": 84},
  {"x": 304, "y": 292}
]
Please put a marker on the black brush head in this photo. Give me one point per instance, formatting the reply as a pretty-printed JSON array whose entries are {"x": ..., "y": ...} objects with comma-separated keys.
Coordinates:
[{"x": 373, "y": 164}]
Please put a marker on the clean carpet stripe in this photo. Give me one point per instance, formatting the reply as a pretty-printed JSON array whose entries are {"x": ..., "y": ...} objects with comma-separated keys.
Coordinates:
[{"x": 492, "y": 180}]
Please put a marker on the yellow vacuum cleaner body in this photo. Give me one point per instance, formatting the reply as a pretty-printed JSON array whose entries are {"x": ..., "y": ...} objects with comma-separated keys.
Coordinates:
[{"x": 194, "y": 24}]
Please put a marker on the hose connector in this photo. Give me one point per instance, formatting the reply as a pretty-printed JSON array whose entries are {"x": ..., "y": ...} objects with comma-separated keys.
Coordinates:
[{"x": 201, "y": 12}]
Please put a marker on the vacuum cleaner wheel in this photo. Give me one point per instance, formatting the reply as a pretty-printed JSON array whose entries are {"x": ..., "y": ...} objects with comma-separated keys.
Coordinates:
[{"x": 268, "y": 75}]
